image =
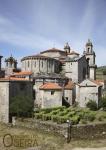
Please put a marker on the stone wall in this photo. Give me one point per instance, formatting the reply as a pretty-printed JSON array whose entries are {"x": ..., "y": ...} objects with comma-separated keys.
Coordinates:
[
  {"x": 51, "y": 100},
  {"x": 90, "y": 131},
  {"x": 38, "y": 65},
  {"x": 4, "y": 102}
]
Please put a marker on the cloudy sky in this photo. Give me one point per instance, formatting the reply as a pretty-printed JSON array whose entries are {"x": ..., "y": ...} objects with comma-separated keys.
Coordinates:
[{"x": 30, "y": 26}]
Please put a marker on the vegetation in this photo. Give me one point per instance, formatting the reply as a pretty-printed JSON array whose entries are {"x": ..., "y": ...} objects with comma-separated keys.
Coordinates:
[
  {"x": 45, "y": 141},
  {"x": 102, "y": 103},
  {"x": 92, "y": 105},
  {"x": 21, "y": 105},
  {"x": 75, "y": 114}
]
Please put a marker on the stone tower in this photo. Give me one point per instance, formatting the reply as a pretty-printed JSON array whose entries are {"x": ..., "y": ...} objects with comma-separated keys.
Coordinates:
[
  {"x": 11, "y": 65},
  {"x": 67, "y": 48},
  {"x": 90, "y": 57}
]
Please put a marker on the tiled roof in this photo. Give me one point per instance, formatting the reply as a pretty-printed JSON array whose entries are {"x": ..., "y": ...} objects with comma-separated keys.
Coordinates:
[
  {"x": 53, "y": 50},
  {"x": 13, "y": 79},
  {"x": 72, "y": 53},
  {"x": 22, "y": 73},
  {"x": 96, "y": 82},
  {"x": 70, "y": 85},
  {"x": 50, "y": 86}
]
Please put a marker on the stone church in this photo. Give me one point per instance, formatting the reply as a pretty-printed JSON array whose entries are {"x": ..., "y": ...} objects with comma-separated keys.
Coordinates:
[
  {"x": 59, "y": 77},
  {"x": 59, "y": 74}
]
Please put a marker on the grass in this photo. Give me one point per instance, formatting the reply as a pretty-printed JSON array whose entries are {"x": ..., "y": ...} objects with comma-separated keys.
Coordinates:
[{"x": 46, "y": 141}]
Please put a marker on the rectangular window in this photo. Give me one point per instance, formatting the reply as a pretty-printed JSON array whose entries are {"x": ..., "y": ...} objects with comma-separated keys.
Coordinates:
[
  {"x": 28, "y": 63},
  {"x": 52, "y": 92},
  {"x": 42, "y": 64}
]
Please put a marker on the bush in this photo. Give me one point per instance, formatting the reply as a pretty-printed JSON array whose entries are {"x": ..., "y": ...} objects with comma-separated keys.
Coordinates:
[
  {"x": 71, "y": 114},
  {"x": 62, "y": 119},
  {"x": 89, "y": 116},
  {"x": 48, "y": 110},
  {"x": 102, "y": 103},
  {"x": 101, "y": 116},
  {"x": 54, "y": 118},
  {"x": 75, "y": 119},
  {"x": 92, "y": 105},
  {"x": 46, "y": 117},
  {"x": 39, "y": 115}
]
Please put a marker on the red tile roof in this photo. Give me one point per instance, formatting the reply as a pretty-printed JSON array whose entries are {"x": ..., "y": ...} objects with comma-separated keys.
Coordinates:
[
  {"x": 70, "y": 85},
  {"x": 97, "y": 82},
  {"x": 13, "y": 79},
  {"x": 53, "y": 50},
  {"x": 50, "y": 86},
  {"x": 22, "y": 73}
]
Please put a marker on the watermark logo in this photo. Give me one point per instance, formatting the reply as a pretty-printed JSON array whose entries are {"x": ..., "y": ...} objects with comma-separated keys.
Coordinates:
[{"x": 19, "y": 141}]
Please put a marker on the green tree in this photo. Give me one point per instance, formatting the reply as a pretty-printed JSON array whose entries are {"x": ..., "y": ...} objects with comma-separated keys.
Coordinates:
[{"x": 21, "y": 105}]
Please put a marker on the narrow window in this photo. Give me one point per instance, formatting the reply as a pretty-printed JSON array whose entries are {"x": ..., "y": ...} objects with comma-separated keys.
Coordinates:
[
  {"x": 42, "y": 64},
  {"x": 49, "y": 64},
  {"x": 28, "y": 63},
  {"x": 52, "y": 92},
  {"x": 35, "y": 63}
]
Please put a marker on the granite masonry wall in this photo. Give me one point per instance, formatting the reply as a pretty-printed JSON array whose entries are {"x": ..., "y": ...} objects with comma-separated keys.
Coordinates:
[{"x": 88, "y": 131}]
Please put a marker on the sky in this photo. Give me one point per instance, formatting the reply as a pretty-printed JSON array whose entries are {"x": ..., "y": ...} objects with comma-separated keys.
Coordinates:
[{"x": 30, "y": 26}]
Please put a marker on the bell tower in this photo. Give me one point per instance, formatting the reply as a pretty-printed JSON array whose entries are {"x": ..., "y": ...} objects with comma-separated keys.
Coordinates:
[
  {"x": 67, "y": 48},
  {"x": 11, "y": 65},
  {"x": 90, "y": 57}
]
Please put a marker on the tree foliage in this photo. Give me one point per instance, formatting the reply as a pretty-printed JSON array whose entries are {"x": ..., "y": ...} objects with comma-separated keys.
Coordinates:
[{"x": 21, "y": 105}]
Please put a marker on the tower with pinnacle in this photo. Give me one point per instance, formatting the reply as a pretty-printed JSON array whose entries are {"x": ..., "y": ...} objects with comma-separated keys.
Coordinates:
[
  {"x": 90, "y": 57},
  {"x": 11, "y": 65}
]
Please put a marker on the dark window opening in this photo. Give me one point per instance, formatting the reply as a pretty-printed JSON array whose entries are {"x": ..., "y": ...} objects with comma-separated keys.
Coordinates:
[
  {"x": 28, "y": 63},
  {"x": 66, "y": 98},
  {"x": 42, "y": 63},
  {"x": 52, "y": 92}
]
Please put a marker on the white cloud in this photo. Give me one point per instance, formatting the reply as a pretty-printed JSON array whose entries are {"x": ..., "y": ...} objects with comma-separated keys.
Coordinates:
[{"x": 12, "y": 34}]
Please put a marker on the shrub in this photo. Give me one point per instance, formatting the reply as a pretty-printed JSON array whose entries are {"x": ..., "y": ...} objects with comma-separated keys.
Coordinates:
[
  {"x": 75, "y": 119},
  {"x": 48, "y": 110},
  {"x": 54, "y": 118},
  {"x": 81, "y": 114},
  {"x": 92, "y": 105},
  {"x": 54, "y": 112},
  {"x": 46, "y": 117},
  {"x": 89, "y": 116},
  {"x": 101, "y": 116},
  {"x": 71, "y": 114},
  {"x": 39, "y": 115},
  {"x": 102, "y": 103},
  {"x": 62, "y": 119}
]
